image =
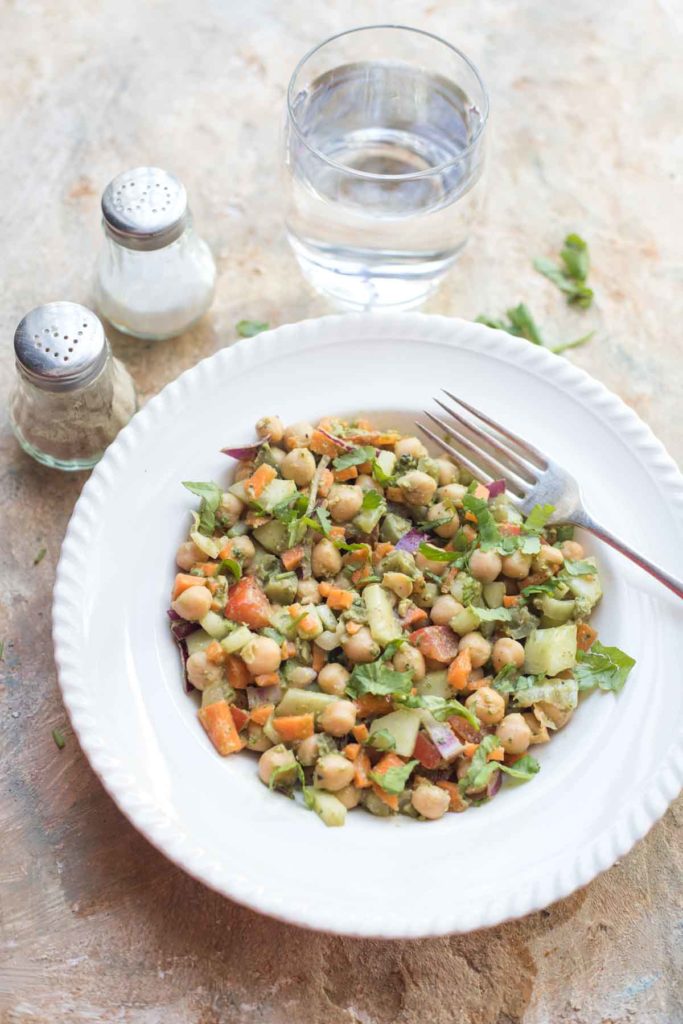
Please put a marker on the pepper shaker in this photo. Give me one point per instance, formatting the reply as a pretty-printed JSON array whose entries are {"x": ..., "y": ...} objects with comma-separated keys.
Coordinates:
[
  {"x": 155, "y": 275},
  {"x": 71, "y": 396}
]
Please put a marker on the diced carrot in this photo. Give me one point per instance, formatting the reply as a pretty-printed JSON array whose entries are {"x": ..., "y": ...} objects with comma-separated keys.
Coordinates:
[
  {"x": 379, "y": 438},
  {"x": 292, "y": 558},
  {"x": 360, "y": 732},
  {"x": 365, "y": 467},
  {"x": 208, "y": 568},
  {"x": 215, "y": 653},
  {"x": 362, "y": 554},
  {"x": 220, "y": 727},
  {"x": 339, "y": 600},
  {"x": 309, "y": 625},
  {"x": 262, "y": 713},
  {"x": 585, "y": 636},
  {"x": 239, "y": 716},
  {"x": 361, "y": 769},
  {"x": 470, "y": 749},
  {"x": 237, "y": 672},
  {"x": 510, "y": 600},
  {"x": 459, "y": 669},
  {"x": 414, "y": 617},
  {"x": 337, "y": 533},
  {"x": 267, "y": 679},
  {"x": 324, "y": 587},
  {"x": 294, "y": 610},
  {"x": 319, "y": 658},
  {"x": 381, "y": 550},
  {"x": 468, "y": 533},
  {"x": 294, "y": 727},
  {"x": 364, "y": 424},
  {"x": 255, "y": 520},
  {"x": 476, "y": 682},
  {"x": 509, "y": 529},
  {"x": 388, "y": 761},
  {"x": 287, "y": 650},
  {"x": 259, "y": 480},
  {"x": 480, "y": 491},
  {"x": 457, "y": 803},
  {"x": 184, "y": 581},
  {"x": 351, "y": 750},
  {"x": 248, "y": 604},
  {"x": 497, "y": 754},
  {"x": 369, "y": 704},
  {"x": 226, "y": 551},
  {"x": 352, "y": 627},
  {"x": 322, "y": 445},
  {"x": 390, "y": 799},
  {"x": 395, "y": 494},
  {"x": 470, "y": 517},
  {"x": 350, "y": 473}
]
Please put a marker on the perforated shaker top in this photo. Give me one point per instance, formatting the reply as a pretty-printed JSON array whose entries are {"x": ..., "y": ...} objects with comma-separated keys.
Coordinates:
[
  {"x": 60, "y": 346},
  {"x": 145, "y": 208}
]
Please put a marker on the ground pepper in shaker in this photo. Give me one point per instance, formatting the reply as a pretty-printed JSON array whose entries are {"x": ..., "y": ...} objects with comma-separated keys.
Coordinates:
[
  {"x": 155, "y": 275},
  {"x": 71, "y": 397}
]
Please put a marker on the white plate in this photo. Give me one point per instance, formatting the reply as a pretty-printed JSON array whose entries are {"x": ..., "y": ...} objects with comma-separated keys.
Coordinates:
[{"x": 604, "y": 780}]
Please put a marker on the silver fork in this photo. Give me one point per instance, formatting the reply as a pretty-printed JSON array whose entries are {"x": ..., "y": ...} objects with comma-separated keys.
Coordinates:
[{"x": 490, "y": 451}]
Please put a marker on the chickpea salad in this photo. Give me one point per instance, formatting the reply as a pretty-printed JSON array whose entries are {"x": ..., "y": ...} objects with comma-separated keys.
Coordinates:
[{"x": 381, "y": 629}]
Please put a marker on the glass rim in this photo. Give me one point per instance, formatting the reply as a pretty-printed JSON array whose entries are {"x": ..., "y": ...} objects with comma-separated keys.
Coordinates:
[{"x": 370, "y": 175}]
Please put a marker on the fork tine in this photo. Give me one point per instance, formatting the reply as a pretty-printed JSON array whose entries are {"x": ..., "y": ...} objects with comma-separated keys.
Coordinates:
[
  {"x": 532, "y": 453},
  {"x": 503, "y": 456},
  {"x": 494, "y": 468},
  {"x": 476, "y": 471}
]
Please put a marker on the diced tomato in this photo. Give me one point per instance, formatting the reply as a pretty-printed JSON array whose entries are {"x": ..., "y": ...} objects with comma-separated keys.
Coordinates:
[
  {"x": 426, "y": 752},
  {"x": 248, "y": 604},
  {"x": 509, "y": 529},
  {"x": 239, "y": 716},
  {"x": 465, "y": 732},
  {"x": 436, "y": 642}
]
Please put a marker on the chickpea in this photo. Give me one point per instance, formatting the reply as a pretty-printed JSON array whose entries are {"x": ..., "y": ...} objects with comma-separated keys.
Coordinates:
[
  {"x": 301, "y": 676},
  {"x": 443, "y": 610},
  {"x": 398, "y": 583},
  {"x": 333, "y": 772},
  {"x": 242, "y": 471},
  {"x": 360, "y": 647},
  {"x": 261, "y": 655},
  {"x": 478, "y": 646},
  {"x": 507, "y": 652},
  {"x": 430, "y": 801},
  {"x": 193, "y": 603},
  {"x": 517, "y": 565},
  {"x": 514, "y": 734},
  {"x": 549, "y": 711},
  {"x": 297, "y": 435},
  {"x": 426, "y": 595},
  {"x": 333, "y": 678},
  {"x": 256, "y": 738},
  {"x": 231, "y": 508},
  {"x": 243, "y": 548},
  {"x": 547, "y": 558},
  {"x": 270, "y": 427},
  {"x": 442, "y": 511},
  {"x": 487, "y": 704},
  {"x": 349, "y": 796},
  {"x": 187, "y": 555},
  {"x": 368, "y": 483},
  {"x": 201, "y": 672},
  {"x": 448, "y": 472},
  {"x": 344, "y": 502},
  {"x": 572, "y": 550},
  {"x": 277, "y": 757},
  {"x": 277, "y": 456},
  {"x": 307, "y": 752},
  {"x": 452, "y": 494},
  {"x": 307, "y": 592},
  {"x": 417, "y": 487},
  {"x": 409, "y": 659},
  {"x": 325, "y": 560},
  {"x": 299, "y": 466},
  {"x": 438, "y": 568},
  {"x": 485, "y": 565},
  {"x": 411, "y": 446},
  {"x": 338, "y": 718}
]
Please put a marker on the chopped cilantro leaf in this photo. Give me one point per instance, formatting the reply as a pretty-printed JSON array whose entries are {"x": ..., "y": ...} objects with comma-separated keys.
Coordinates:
[
  {"x": 381, "y": 740},
  {"x": 537, "y": 518},
  {"x": 605, "y": 667},
  {"x": 249, "y": 328},
  {"x": 211, "y": 495},
  {"x": 40, "y": 556},
  {"x": 355, "y": 457},
  {"x": 58, "y": 737},
  {"x": 393, "y": 780},
  {"x": 377, "y": 679}
]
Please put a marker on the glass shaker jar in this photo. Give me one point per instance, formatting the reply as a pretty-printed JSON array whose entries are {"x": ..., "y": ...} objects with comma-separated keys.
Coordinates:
[
  {"x": 71, "y": 397},
  {"x": 155, "y": 275}
]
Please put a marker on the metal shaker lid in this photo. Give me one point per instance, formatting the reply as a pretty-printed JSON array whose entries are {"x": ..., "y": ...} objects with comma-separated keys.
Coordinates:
[
  {"x": 60, "y": 346},
  {"x": 145, "y": 208}
]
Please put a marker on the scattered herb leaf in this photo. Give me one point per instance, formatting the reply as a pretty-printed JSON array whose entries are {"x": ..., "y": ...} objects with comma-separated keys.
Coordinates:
[
  {"x": 249, "y": 328},
  {"x": 393, "y": 780},
  {"x": 40, "y": 556},
  {"x": 606, "y": 667},
  {"x": 58, "y": 737}
]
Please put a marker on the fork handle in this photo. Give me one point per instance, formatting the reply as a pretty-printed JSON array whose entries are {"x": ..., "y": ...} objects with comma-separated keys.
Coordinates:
[{"x": 582, "y": 519}]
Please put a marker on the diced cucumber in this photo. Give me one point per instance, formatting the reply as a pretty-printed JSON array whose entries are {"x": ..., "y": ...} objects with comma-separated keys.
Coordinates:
[
  {"x": 273, "y": 536},
  {"x": 281, "y": 620},
  {"x": 556, "y": 612},
  {"x": 282, "y": 591},
  {"x": 400, "y": 561},
  {"x": 494, "y": 594},
  {"x": 466, "y": 589},
  {"x": 270, "y": 732},
  {"x": 198, "y": 641},
  {"x": 215, "y": 625},
  {"x": 263, "y": 564},
  {"x": 434, "y": 684},
  {"x": 207, "y": 545},
  {"x": 236, "y": 640},
  {"x": 587, "y": 591},
  {"x": 326, "y": 616},
  {"x": 275, "y": 493},
  {"x": 550, "y": 651},
  {"x": 464, "y": 621},
  {"x": 302, "y": 702},
  {"x": 393, "y": 527},
  {"x": 368, "y": 518},
  {"x": 328, "y": 808},
  {"x": 238, "y": 490},
  {"x": 373, "y": 804},
  {"x": 240, "y": 529},
  {"x": 384, "y": 625},
  {"x": 386, "y": 462},
  {"x": 403, "y": 725},
  {"x": 218, "y": 691}
]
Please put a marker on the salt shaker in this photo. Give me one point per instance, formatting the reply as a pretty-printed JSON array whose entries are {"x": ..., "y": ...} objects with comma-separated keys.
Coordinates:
[
  {"x": 71, "y": 397},
  {"x": 155, "y": 275}
]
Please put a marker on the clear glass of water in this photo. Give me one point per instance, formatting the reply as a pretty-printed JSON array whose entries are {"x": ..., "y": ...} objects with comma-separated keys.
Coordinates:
[{"x": 384, "y": 153}]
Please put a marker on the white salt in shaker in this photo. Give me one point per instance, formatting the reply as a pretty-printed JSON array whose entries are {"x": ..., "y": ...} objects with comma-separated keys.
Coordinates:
[{"x": 155, "y": 275}]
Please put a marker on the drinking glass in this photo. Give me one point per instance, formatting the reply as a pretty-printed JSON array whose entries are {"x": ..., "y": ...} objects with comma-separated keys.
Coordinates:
[{"x": 384, "y": 152}]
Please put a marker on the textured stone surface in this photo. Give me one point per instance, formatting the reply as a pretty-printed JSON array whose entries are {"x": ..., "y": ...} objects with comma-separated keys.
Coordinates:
[{"x": 96, "y": 925}]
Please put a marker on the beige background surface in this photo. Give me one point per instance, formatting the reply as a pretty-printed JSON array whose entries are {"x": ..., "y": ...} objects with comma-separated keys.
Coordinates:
[{"x": 96, "y": 925}]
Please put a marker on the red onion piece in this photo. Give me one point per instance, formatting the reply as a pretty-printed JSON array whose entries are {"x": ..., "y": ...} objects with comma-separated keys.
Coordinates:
[
  {"x": 344, "y": 445},
  {"x": 494, "y": 784},
  {"x": 411, "y": 541},
  {"x": 445, "y": 741},
  {"x": 180, "y": 629},
  {"x": 244, "y": 454},
  {"x": 496, "y": 488},
  {"x": 259, "y": 695}
]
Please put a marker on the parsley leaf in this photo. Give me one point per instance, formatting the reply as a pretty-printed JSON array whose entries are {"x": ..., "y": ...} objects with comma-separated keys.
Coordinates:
[
  {"x": 537, "y": 518},
  {"x": 606, "y": 667},
  {"x": 521, "y": 324},
  {"x": 249, "y": 328},
  {"x": 279, "y": 779},
  {"x": 40, "y": 556},
  {"x": 371, "y": 499},
  {"x": 491, "y": 614},
  {"x": 440, "y": 707},
  {"x": 393, "y": 780},
  {"x": 230, "y": 565},
  {"x": 355, "y": 457},
  {"x": 524, "y": 769},
  {"x": 435, "y": 554},
  {"x": 570, "y": 278},
  {"x": 481, "y": 770},
  {"x": 377, "y": 679},
  {"x": 211, "y": 495},
  {"x": 381, "y": 740},
  {"x": 324, "y": 519},
  {"x": 489, "y": 534},
  {"x": 580, "y": 568},
  {"x": 58, "y": 737}
]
